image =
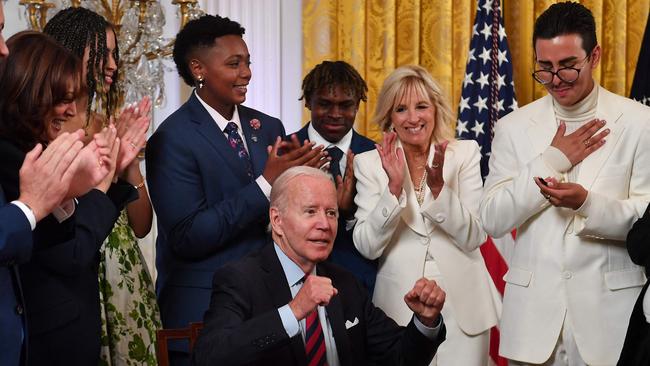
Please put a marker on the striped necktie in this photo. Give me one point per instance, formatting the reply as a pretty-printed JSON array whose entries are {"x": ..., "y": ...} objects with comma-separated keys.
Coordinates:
[{"x": 314, "y": 340}]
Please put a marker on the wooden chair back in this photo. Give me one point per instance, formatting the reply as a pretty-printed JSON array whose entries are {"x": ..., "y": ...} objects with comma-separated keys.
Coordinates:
[{"x": 163, "y": 336}]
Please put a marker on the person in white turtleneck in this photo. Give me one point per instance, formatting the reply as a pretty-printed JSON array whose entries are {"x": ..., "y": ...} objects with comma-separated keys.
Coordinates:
[{"x": 570, "y": 172}]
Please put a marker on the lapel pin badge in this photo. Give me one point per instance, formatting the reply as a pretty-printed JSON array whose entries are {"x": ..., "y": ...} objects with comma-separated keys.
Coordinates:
[{"x": 255, "y": 125}]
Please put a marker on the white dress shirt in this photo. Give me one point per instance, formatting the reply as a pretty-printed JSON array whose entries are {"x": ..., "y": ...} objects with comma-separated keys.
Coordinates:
[{"x": 222, "y": 122}]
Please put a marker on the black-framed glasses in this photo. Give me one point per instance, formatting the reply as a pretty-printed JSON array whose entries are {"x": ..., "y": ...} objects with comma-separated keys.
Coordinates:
[{"x": 567, "y": 74}]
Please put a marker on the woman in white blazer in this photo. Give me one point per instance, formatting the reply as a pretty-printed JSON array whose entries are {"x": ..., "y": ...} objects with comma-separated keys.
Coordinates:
[{"x": 417, "y": 198}]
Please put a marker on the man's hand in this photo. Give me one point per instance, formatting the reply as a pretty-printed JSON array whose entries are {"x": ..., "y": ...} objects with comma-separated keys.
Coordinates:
[
  {"x": 315, "y": 291},
  {"x": 582, "y": 142},
  {"x": 570, "y": 195},
  {"x": 286, "y": 154},
  {"x": 426, "y": 300},
  {"x": 45, "y": 178},
  {"x": 346, "y": 188}
]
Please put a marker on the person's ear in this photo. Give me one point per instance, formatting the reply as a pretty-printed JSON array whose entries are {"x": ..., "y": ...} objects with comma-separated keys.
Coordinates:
[
  {"x": 196, "y": 68},
  {"x": 595, "y": 57},
  {"x": 276, "y": 221}
]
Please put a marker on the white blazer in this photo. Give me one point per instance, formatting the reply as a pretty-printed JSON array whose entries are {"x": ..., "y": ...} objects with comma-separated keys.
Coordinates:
[
  {"x": 400, "y": 233},
  {"x": 566, "y": 261}
]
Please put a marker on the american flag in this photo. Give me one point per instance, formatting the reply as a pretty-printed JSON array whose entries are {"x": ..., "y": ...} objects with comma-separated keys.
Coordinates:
[{"x": 488, "y": 94}]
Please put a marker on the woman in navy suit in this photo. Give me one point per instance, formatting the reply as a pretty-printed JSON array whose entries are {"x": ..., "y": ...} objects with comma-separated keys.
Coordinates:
[
  {"x": 209, "y": 171},
  {"x": 40, "y": 81}
]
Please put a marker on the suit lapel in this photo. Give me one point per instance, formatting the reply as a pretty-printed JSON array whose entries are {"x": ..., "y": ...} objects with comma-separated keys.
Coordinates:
[
  {"x": 207, "y": 127},
  {"x": 276, "y": 283},
  {"x": 256, "y": 145},
  {"x": 590, "y": 167},
  {"x": 543, "y": 126}
]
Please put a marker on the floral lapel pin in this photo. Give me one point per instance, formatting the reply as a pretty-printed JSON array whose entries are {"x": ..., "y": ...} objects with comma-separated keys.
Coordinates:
[{"x": 255, "y": 125}]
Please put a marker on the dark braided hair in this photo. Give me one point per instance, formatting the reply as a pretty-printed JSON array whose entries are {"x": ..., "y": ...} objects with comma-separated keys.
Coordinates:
[
  {"x": 330, "y": 74},
  {"x": 200, "y": 33},
  {"x": 76, "y": 29}
]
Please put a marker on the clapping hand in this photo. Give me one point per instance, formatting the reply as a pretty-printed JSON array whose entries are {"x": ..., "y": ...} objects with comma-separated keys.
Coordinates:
[
  {"x": 132, "y": 126},
  {"x": 95, "y": 163},
  {"x": 393, "y": 162},
  {"x": 435, "y": 181},
  {"x": 346, "y": 188}
]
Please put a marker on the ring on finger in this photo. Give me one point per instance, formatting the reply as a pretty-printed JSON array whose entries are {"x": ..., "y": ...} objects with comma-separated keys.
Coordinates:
[
  {"x": 586, "y": 142},
  {"x": 435, "y": 165},
  {"x": 547, "y": 196},
  {"x": 133, "y": 145}
]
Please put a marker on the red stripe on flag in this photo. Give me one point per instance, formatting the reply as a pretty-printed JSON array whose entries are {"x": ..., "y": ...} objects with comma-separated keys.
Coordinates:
[{"x": 497, "y": 268}]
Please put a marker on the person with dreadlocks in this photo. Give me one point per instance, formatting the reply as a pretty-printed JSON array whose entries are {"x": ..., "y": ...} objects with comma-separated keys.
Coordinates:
[
  {"x": 332, "y": 92},
  {"x": 126, "y": 286},
  {"x": 210, "y": 171}
]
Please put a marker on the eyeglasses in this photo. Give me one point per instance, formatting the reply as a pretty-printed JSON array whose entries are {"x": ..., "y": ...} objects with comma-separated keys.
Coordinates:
[{"x": 567, "y": 74}]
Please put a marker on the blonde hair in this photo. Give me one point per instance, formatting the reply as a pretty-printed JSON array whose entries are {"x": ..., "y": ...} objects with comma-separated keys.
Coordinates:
[{"x": 408, "y": 79}]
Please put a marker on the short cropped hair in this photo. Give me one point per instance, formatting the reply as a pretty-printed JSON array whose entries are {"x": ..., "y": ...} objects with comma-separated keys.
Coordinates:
[
  {"x": 200, "y": 34},
  {"x": 567, "y": 18},
  {"x": 35, "y": 77},
  {"x": 279, "y": 191},
  {"x": 330, "y": 74},
  {"x": 409, "y": 79}
]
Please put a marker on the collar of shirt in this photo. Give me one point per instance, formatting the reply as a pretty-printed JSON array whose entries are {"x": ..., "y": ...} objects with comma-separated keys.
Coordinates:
[
  {"x": 292, "y": 272},
  {"x": 343, "y": 144},
  {"x": 220, "y": 120}
]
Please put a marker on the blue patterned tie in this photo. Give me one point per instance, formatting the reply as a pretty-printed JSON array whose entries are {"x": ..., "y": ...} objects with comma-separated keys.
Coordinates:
[{"x": 235, "y": 141}]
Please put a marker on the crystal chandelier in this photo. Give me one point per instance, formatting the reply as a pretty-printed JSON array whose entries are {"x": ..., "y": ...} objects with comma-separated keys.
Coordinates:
[{"x": 139, "y": 29}]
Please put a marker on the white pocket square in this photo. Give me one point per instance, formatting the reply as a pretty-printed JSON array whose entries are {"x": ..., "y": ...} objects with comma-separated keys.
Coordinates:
[{"x": 350, "y": 324}]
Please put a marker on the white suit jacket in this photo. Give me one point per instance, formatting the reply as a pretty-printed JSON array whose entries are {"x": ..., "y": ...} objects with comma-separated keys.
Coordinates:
[
  {"x": 566, "y": 261},
  {"x": 400, "y": 233}
]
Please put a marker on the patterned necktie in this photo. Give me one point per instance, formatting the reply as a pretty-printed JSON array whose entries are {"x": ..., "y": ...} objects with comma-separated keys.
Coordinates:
[
  {"x": 314, "y": 340},
  {"x": 235, "y": 141},
  {"x": 336, "y": 154}
]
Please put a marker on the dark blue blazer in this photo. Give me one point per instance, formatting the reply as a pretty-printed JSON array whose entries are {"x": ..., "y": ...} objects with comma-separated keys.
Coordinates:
[
  {"x": 209, "y": 211},
  {"x": 344, "y": 253},
  {"x": 243, "y": 327},
  {"x": 60, "y": 281},
  {"x": 15, "y": 248}
]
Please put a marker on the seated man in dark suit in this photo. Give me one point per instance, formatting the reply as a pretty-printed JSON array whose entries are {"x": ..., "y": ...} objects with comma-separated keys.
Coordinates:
[
  {"x": 285, "y": 305},
  {"x": 333, "y": 91}
]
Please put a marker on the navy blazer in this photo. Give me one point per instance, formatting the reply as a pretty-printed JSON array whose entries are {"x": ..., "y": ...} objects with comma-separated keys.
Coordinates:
[
  {"x": 243, "y": 327},
  {"x": 209, "y": 211},
  {"x": 60, "y": 281},
  {"x": 15, "y": 248},
  {"x": 345, "y": 254}
]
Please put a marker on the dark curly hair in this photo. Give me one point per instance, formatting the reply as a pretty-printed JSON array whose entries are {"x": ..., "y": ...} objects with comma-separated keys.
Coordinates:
[
  {"x": 35, "y": 77},
  {"x": 76, "y": 29},
  {"x": 567, "y": 18},
  {"x": 197, "y": 34},
  {"x": 330, "y": 74}
]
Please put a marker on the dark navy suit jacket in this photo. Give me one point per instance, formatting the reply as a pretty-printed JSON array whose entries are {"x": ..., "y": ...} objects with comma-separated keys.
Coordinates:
[
  {"x": 15, "y": 248},
  {"x": 59, "y": 282},
  {"x": 243, "y": 327},
  {"x": 344, "y": 253},
  {"x": 209, "y": 211}
]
